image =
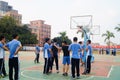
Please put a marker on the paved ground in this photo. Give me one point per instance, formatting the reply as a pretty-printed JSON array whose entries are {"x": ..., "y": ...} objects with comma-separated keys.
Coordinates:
[{"x": 105, "y": 67}]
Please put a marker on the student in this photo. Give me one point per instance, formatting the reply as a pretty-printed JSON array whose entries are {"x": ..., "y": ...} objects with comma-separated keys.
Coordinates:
[
  {"x": 2, "y": 57},
  {"x": 114, "y": 52},
  {"x": 88, "y": 58},
  {"x": 107, "y": 51},
  {"x": 55, "y": 50},
  {"x": 37, "y": 53},
  {"x": 81, "y": 53},
  {"x": 75, "y": 60},
  {"x": 14, "y": 46},
  {"x": 51, "y": 57},
  {"x": 47, "y": 56},
  {"x": 66, "y": 58},
  {"x": 102, "y": 51}
]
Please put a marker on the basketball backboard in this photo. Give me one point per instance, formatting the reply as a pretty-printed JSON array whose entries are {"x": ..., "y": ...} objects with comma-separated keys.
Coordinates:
[
  {"x": 85, "y": 21},
  {"x": 95, "y": 30}
]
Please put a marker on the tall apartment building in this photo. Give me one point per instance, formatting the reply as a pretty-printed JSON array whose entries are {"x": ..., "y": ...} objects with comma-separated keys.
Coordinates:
[
  {"x": 7, "y": 10},
  {"x": 14, "y": 14},
  {"x": 40, "y": 29},
  {"x": 4, "y": 7}
]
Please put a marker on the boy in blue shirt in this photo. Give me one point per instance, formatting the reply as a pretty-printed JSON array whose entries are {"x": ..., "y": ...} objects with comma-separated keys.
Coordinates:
[
  {"x": 37, "y": 51},
  {"x": 114, "y": 50},
  {"x": 47, "y": 56},
  {"x": 2, "y": 57},
  {"x": 75, "y": 60},
  {"x": 88, "y": 58},
  {"x": 14, "y": 46}
]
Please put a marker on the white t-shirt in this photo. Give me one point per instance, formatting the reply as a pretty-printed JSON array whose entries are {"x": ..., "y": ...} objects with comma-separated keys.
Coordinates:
[{"x": 2, "y": 51}]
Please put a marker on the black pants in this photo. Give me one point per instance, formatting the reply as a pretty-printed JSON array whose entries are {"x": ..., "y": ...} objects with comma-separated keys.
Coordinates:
[
  {"x": 37, "y": 57},
  {"x": 55, "y": 57},
  {"x": 47, "y": 65},
  {"x": 51, "y": 62},
  {"x": 13, "y": 64},
  {"x": 2, "y": 67},
  {"x": 88, "y": 64},
  {"x": 75, "y": 65}
]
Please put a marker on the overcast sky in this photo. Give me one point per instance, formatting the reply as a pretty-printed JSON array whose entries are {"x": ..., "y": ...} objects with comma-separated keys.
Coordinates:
[{"x": 57, "y": 13}]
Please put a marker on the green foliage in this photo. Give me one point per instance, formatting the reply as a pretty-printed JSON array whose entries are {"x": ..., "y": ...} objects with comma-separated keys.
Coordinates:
[
  {"x": 8, "y": 27},
  {"x": 117, "y": 28},
  {"x": 62, "y": 38},
  {"x": 108, "y": 35}
]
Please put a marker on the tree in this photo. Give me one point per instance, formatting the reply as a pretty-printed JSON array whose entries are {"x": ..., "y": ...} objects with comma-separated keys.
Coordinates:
[
  {"x": 117, "y": 28},
  {"x": 108, "y": 35},
  {"x": 26, "y": 37},
  {"x": 63, "y": 35},
  {"x": 8, "y": 27},
  {"x": 62, "y": 38}
]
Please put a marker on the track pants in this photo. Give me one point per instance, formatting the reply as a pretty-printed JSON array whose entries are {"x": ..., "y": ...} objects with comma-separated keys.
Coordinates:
[
  {"x": 51, "y": 63},
  {"x": 14, "y": 64},
  {"x": 37, "y": 57},
  {"x": 46, "y": 65},
  {"x": 2, "y": 67},
  {"x": 88, "y": 64},
  {"x": 55, "y": 57},
  {"x": 75, "y": 65}
]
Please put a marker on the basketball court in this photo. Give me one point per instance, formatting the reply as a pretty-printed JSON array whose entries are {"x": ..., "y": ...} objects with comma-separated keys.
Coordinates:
[{"x": 105, "y": 67}]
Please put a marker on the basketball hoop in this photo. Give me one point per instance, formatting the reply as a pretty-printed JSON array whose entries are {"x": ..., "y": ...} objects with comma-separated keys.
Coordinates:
[
  {"x": 80, "y": 29},
  {"x": 80, "y": 21}
]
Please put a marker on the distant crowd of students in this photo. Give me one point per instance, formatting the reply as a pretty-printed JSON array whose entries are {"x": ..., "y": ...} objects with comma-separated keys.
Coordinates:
[{"x": 108, "y": 51}]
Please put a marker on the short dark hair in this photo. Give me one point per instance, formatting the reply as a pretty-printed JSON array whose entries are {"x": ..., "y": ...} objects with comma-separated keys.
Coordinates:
[
  {"x": 1, "y": 37},
  {"x": 47, "y": 39},
  {"x": 65, "y": 42},
  {"x": 14, "y": 36},
  {"x": 54, "y": 40},
  {"x": 75, "y": 39},
  {"x": 80, "y": 42},
  {"x": 89, "y": 41}
]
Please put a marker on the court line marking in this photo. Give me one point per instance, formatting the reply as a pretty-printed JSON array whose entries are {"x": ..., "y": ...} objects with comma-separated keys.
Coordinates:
[
  {"x": 22, "y": 74},
  {"x": 110, "y": 71},
  {"x": 87, "y": 78},
  {"x": 22, "y": 71}
]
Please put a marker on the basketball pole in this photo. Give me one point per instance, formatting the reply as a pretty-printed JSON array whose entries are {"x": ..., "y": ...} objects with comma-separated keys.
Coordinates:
[
  {"x": 86, "y": 37},
  {"x": 85, "y": 31}
]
